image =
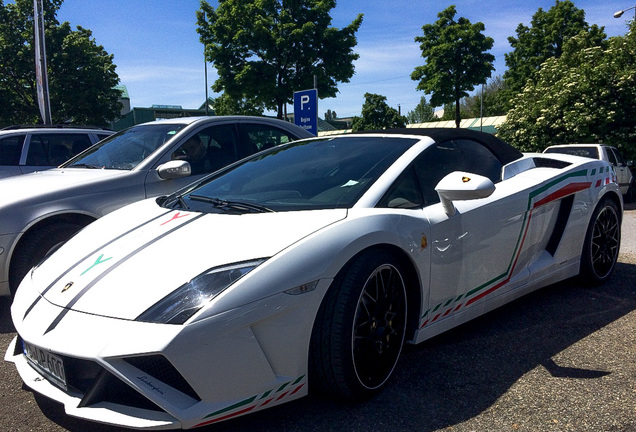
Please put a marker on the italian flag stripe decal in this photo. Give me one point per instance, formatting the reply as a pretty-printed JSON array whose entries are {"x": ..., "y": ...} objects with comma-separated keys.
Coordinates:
[{"x": 497, "y": 282}]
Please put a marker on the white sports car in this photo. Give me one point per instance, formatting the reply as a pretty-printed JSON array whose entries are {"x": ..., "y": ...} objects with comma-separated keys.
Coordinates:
[{"x": 305, "y": 267}]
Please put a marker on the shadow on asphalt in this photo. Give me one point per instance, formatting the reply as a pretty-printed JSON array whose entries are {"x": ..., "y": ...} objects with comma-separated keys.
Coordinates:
[
  {"x": 453, "y": 377},
  {"x": 6, "y": 325}
]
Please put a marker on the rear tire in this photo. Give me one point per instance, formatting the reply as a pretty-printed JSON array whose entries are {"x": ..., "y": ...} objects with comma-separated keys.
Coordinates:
[
  {"x": 359, "y": 331},
  {"x": 602, "y": 243},
  {"x": 35, "y": 246}
]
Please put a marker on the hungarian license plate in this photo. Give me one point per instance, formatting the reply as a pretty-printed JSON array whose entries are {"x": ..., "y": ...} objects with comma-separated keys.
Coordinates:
[{"x": 48, "y": 364}]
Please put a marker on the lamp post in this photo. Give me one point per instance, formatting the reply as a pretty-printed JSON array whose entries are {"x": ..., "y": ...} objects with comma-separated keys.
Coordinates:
[{"x": 621, "y": 12}]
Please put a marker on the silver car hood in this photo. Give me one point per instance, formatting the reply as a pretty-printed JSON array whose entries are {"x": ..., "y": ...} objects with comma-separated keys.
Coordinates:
[
  {"x": 127, "y": 261},
  {"x": 53, "y": 183}
]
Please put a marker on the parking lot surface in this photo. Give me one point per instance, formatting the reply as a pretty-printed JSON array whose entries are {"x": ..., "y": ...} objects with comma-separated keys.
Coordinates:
[{"x": 560, "y": 359}]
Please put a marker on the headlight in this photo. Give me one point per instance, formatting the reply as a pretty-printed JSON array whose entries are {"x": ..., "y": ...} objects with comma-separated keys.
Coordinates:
[{"x": 181, "y": 304}]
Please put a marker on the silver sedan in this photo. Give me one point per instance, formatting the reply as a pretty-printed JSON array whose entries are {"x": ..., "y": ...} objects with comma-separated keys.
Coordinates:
[{"x": 43, "y": 209}]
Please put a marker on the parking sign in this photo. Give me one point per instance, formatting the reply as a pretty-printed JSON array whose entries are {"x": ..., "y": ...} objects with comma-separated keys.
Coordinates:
[{"x": 306, "y": 110}]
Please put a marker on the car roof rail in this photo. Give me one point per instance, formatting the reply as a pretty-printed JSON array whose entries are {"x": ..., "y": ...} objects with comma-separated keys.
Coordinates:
[{"x": 52, "y": 126}]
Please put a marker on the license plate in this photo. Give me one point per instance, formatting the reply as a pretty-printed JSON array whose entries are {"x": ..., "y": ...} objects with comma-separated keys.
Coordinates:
[{"x": 48, "y": 364}]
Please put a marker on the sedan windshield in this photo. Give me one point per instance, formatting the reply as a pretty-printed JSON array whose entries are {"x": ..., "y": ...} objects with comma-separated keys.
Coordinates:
[
  {"x": 126, "y": 149},
  {"x": 305, "y": 175}
]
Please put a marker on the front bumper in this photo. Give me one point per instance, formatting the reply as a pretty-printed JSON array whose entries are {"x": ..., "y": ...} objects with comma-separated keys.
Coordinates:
[
  {"x": 236, "y": 362},
  {"x": 116, "y": 414}
]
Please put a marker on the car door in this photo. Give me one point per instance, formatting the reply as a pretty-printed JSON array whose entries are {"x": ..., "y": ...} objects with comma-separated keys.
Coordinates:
[
  {"x": 623, "y": 173},
  {"x": 476, "y": 251}
]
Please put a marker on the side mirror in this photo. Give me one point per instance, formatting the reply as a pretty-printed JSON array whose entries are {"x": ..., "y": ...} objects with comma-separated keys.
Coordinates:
[
  {"x": 462, "y": 186},
  {"x": 630, "y": 163},
  {"x": 174, "y": 169}
]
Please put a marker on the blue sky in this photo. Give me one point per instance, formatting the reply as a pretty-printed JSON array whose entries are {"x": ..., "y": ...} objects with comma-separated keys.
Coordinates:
[{"x": 159, "y": 56}]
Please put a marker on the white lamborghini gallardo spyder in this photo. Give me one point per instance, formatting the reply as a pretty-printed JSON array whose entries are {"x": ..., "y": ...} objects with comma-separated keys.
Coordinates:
[{"x": 306, "y": 267}]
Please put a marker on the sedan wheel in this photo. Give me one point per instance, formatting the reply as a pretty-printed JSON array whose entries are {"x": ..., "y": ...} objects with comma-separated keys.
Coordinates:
[{"x": 359, "y": 333}]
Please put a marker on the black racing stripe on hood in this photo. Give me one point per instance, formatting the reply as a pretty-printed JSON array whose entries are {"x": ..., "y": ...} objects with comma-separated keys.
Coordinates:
[
  {"x": 85, "y": 257},
  {"x": 80, "y": 294}
]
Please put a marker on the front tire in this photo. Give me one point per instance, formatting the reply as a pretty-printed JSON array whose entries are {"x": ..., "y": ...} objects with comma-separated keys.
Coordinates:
[
  {"x": 602, "y": 243},
  {"x": 360, "y": 328}
]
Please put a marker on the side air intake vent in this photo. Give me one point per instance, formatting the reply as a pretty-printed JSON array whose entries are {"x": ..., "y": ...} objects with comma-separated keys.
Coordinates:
[{"x": 159, "y": 367}]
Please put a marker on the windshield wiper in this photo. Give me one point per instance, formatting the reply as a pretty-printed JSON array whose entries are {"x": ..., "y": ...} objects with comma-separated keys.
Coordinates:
[{"x": 232, "y": 205}]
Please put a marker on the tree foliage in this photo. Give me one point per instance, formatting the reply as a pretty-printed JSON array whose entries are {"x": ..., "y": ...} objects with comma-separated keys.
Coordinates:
[
  {"x": 544, "y": 39},
  {"x": 423, "y": 112},
  {"x": 271, "y": 48},
  {"x": 586, "y": 95},
  {"x": 81, "y": 74},
  {"x": 227, "y": 105},
  {"x": 493, "y": 104},
  {"x": 377, "y": 114},
  {"x": 456, "y": 59}
]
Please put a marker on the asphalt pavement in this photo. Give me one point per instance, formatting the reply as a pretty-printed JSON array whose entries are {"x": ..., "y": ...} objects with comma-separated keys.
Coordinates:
[{"x": 560, "y": 359}]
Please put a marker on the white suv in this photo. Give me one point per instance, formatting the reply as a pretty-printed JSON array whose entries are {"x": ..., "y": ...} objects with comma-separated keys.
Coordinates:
[
  {"x": 24, "y": 149},
  {"x": 607, "y": 153}
]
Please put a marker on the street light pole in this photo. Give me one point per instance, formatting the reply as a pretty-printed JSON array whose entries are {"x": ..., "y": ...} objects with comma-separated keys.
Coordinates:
[{"x": 620, "y": 13}]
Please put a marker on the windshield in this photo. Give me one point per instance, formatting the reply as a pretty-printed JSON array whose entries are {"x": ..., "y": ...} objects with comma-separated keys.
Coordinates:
[
  {"x": 590, "y": 152},
  {"x": 305, "y": 175},
  {"x": 126, "y": 149}
]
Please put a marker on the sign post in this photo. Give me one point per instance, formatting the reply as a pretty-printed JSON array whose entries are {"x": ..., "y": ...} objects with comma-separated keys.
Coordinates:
[{"x": 306, "y": 110}]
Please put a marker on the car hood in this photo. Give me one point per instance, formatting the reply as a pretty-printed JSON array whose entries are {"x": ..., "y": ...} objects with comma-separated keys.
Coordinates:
[
  {"x": 50, "y": 183},
  {"x": 125, "y": 262}
]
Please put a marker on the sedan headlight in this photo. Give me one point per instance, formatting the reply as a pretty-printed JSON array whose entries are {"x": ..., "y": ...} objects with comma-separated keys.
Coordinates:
[{"x": 181, "y": 304}]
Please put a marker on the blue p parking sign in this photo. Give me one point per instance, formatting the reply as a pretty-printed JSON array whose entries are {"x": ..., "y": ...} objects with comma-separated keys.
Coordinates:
[{"x": 306, "y": 110}]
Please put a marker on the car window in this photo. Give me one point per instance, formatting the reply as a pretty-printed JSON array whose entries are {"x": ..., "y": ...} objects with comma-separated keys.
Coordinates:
[
  {"x": 611, "y": 157},
  {"x": 54, "y": 149},
  {"x": 262, "y": 137},
  {"x": 10, "y": 149},
  {"x": 316, "y": 174},
  {"x": 618, "y": 156},
  {"x": 126, "y": 149},
  {"x": 404, "y": 193},
  {"x": 209, "y": 150},
  {"x": 458, "y": 155},
  {"x": 589, "y": 152},
  {"x": 101, "y": 136}
]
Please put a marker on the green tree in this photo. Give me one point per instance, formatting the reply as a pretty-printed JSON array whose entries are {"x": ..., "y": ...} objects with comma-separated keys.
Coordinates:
[
  {"x": 586, "y": 95},
  {"x": 377, "y": 114},
  {"x": 81, "y": 73},
  {"x": 493, "y": 103},
  {"x": 271, "y": 48},
  {"x": 330, "y": 115},
  {"x": 456, "y": 59},
  {"x": 544, "y": 39},
  {"x": 423, "y": 112},
  {"x": 227, "y": 105}
]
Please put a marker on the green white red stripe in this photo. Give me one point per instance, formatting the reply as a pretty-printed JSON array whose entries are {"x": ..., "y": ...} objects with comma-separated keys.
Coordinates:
[{"x": 453, "y": 305}]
